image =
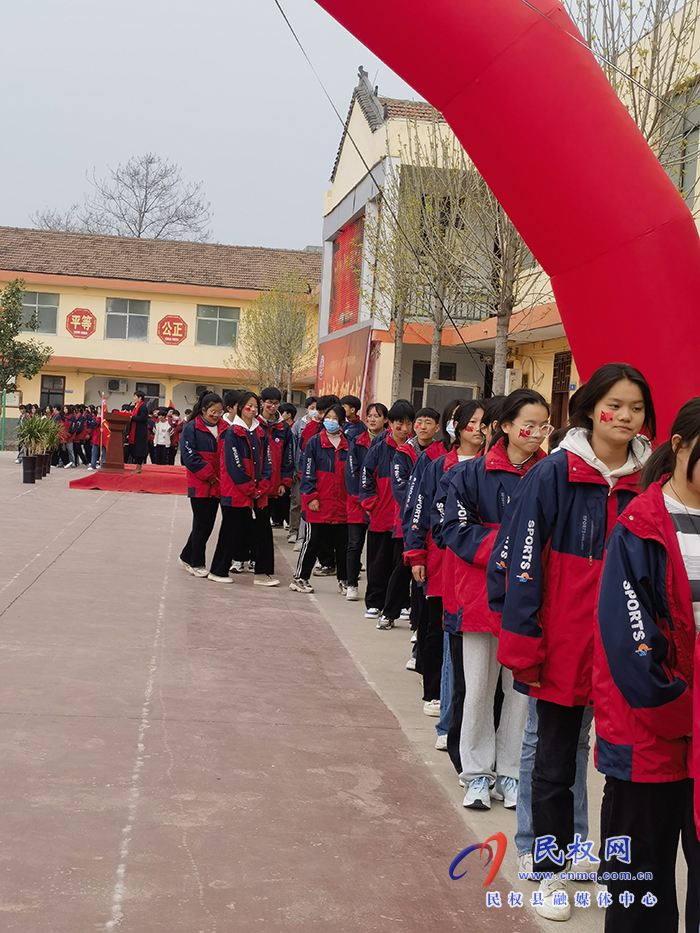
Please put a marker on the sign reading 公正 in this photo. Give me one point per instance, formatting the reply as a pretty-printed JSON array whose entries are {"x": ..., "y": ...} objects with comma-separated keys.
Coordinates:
[
  {"x": 172, "y": 329},
  {"x": 81, "y": 323}
]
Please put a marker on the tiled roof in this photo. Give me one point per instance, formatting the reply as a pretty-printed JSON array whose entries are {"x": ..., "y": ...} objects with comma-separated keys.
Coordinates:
[
  {"x": 409, "y": 109},
  {"x": 173, "y": 261}
]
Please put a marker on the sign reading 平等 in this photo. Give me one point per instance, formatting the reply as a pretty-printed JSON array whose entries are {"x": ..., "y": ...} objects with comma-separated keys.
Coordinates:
[{"x": 81, "y": 323}]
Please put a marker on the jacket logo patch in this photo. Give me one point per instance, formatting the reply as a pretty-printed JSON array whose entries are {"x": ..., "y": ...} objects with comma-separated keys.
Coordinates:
[
  {"x": 502, "y": 565},
  {"x": 643, "y": 650},
  {"x": 635, "y": 615},
  {"x": 523, "y": 577}
]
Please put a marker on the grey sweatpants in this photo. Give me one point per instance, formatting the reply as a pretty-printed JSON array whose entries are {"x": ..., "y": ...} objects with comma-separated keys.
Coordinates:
[{"x": 484, "y": 751}]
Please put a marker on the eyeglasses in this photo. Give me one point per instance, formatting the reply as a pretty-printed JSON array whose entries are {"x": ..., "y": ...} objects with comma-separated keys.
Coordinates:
[{"x": 532, "y": 430}]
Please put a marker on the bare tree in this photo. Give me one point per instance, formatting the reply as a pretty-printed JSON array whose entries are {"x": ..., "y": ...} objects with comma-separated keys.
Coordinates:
[
  {"x": 445, "y": 252},
  {"x": 277, "y": 338},
  {"x": 648, "y": 50},
  {"x": 144, "y": 198}
]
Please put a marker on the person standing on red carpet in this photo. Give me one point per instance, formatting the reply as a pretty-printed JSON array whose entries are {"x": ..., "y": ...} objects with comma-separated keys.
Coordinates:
[{"x": 137, "y": 432}]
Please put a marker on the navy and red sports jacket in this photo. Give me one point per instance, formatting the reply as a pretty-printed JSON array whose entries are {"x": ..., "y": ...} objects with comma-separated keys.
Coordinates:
[
  {"x": 198, "y": 450},
  {"x": 353, "y": 429},
  {"x": 419, "y": 547},
  {"x": 323, "y": 478},
  {"x": 550, "y": 552},
  {"x": 376, "y": 497},
  {"x": 310, "y": 430},
  {"x": 246, "y": 467},
  {"x": 405, "y": 460},
  {"x": 357, "y": 451},
  {"x": 644, "y": 646},
  {"x": 279, "y": 438},
  {"x": 477, "y": 497}
]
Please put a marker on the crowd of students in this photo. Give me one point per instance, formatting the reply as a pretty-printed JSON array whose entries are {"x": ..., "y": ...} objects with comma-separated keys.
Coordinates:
[{"x": 497, "y": 553}]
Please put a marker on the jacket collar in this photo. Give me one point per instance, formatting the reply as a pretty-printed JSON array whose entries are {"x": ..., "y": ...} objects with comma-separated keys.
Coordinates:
[
  {"x": 239, "y": 423},
  {"x": 277, "y": 423},
  {"x": 327, "y": 442},
  {"x": 201, "y": 424},
  {"x": 580, "y": 471},
  {"x": 497, "y": 459},
  {"x": 647, "y": 516},
  {"x": 577, "y": 444}
]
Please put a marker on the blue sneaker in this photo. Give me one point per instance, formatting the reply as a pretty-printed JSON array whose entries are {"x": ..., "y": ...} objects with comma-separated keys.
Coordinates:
[
  {"x": 477, "y": 796},
  {"x": 506, "y": 789}
]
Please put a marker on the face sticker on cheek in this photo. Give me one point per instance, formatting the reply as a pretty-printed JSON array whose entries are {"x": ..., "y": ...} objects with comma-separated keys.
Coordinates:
[
  {"x": 524, "y": 433},
  {"x": 469, "y": 429},
  {"x": 607, "y": 415}
]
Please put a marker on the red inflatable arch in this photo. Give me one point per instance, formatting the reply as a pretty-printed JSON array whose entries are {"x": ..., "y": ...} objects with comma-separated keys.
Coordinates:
[{"x": 569, "y": 166}]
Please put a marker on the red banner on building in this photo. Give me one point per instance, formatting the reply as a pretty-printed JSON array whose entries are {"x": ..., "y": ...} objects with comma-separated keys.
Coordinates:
[
  {"x": 342, "y": 364},
  {"x": 172, "y": 329},
  {"x": 345, "y": 276},
  {"x": 81, "y": 323}
]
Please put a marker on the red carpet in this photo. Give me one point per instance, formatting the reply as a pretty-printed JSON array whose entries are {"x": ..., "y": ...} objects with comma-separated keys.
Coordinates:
[{"x": 160, "y": 480}]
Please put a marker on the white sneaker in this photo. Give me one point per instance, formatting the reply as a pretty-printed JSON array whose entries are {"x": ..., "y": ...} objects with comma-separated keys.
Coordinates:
[
  {"x": 477, "y": 796},
  {"x": 405, "y": 615},
  {"x": 301, "y": 586},
  {"x": 411, "y": 664},
  {"x": 506, "y": 789},
  {"x": 342, "y": 588},
  {"x": 555, "y": 904},
  {"x": 213, "y": 576},
  {"x": 236, "y": 566},
  {"x": 291, "y": 539},
  {"x": 351, "y": 594},
  {"x": 372, "y": 614},
  {"x": 198, "y": 571},
  {"x": 525, "y": 863},
  {"x": 264, "y": 579},
  {"x": 251, "y": 566},
  {"x": 432, "y": 708},
  {"x": 90, "y": 468},
  {"x": 184, "y": 564},
  {"x": 298, "y": 546},
  {"x": 385, "y": 623},
  {"x": 414, "y": 638},
  {"x": 441, "y": 743},
  {"x": 586, "y": 867}
]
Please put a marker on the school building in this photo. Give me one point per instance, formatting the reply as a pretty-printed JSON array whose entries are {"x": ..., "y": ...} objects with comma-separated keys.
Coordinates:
[
  {"x": 162, "y": 316},
  {"x": 356, "y": 344}
]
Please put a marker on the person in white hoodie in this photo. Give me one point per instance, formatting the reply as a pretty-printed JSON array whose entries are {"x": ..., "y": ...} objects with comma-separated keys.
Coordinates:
[{"x": 550, "y": 551}]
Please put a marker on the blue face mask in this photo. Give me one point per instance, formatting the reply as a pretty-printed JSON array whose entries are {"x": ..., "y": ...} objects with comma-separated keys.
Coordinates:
[
  {"x": 451, "y": 429},
  {"x": 331, "y": 426}
]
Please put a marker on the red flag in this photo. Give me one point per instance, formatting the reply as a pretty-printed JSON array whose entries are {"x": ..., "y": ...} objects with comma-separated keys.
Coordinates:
[{"x": 170, "y": 404}]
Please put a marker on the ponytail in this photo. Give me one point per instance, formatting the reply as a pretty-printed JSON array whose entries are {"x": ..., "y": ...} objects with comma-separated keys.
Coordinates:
[
  {"x": 663, "y": 460},
  {"x": 203, "y": 402}
]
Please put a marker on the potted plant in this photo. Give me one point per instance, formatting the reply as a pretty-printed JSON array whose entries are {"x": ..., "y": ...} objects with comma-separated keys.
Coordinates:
[
  {"x": 29, "y": 437},
  {"x": 51, "y": 431}
]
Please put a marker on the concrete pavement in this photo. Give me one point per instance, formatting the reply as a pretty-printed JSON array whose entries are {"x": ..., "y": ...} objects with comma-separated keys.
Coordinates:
[{"x": 185, "y": 756}]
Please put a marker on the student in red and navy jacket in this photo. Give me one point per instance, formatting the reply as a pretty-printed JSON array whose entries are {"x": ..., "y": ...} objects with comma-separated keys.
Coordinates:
[
  {"x": 478, "y": 495},
  {"x": 384, "y": 550},
  {"x": 324, "y": 500},
  {"x": 643, "y": 681},
  {"x": 354, "y": 426},
  {"x": 398, "y": 594},
  {"x": 279, "y": 437},
  {"x": 199, "y": 454},
  {"x": 356, "y": 515},
  {"x": 315, "y": 424},
  {"x": 246, "y": 478},
  {"x": 549, "y": 558},
  {"x": 177, "y": 425},
  {"x": 424, "y": 559}
]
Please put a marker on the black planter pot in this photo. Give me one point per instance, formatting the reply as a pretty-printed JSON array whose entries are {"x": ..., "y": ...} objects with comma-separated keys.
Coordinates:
[
  {"x": 47, "y": 457},
  {"x": 45, "y": 464},
  {"x": 29, "y": 470}
]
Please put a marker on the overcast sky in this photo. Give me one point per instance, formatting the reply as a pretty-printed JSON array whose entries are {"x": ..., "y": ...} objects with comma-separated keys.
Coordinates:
[{"x": 218, "y": 86}]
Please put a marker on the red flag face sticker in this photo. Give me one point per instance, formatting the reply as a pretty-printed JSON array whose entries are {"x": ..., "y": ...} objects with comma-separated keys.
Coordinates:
[
  {"x": 469, "y": 429},
  {"x": 525, "y": 433},
  {"x": 607, "y": 415}
]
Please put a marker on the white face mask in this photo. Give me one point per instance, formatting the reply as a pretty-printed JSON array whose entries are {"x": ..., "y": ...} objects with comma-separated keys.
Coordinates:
[{"x": 451, "y": 429}]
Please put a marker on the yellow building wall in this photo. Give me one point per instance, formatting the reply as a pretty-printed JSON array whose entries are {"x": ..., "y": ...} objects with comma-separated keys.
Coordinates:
[{"x": 537, "y": 363}]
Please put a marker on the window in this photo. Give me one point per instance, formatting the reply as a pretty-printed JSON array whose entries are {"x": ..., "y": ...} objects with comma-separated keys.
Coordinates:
[
  {"x": 52, "y": 391},
  {"x": 152, "y": 392},
  {"x": 217, "y": 327},
  {"x": 42, "y": 307},
  {"x": 421, "y": 372},
  {"x": 127, "y": 319}
]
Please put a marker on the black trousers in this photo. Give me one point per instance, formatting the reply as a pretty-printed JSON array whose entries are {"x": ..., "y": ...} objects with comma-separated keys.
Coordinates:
[
  {"x": 553, "y": 775},
  {"x": 203, "y": 519},
  {"x": 279, "y": 508},
  {"x": 380, "y": 564},
  {"x": 653, "y": 816},
  {"x": 172, "y": 451},
  {"x": 161, "y": 454},
  {"x": 459, "y": 689},
  {"x": 244, "y": 524},
  {"x": 317, "y": 534},
  {"x": 430, "y": 646},
  {"x": 357, "y": 532},
  {"x": 398, "y": 592},
  {"x": 79, "y": 453}
]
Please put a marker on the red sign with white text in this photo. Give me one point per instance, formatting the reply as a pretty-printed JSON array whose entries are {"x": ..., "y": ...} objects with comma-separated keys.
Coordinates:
[
  {"x": 172, "y": 329},
  {"x": 81, "y": 323}
]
